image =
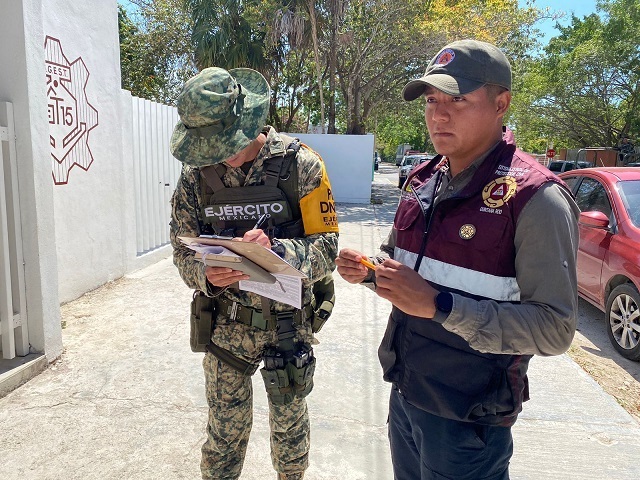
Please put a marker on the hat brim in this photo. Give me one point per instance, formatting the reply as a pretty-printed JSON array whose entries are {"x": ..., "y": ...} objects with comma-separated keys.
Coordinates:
[
  {"x": 445, "y": 83},
  {"x": 193, "y": 149}
]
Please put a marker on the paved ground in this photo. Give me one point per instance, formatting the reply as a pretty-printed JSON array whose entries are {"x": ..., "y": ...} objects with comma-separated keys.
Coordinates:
[{"x": 126, "y": 399}]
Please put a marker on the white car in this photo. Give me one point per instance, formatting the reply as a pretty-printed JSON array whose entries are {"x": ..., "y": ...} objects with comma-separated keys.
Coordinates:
[{"x": 407, "y": 164}]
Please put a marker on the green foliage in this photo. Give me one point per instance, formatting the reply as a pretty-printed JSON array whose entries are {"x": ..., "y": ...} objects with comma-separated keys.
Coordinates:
[
  {"x": 154, "y": 50},
  {"x": 582, "y": 91},
  {"x": 226, "y": 34},
  {"x": 585, "y": 90},
  {"x": 138, "y": 74},
  {"x": 404, "y": 124}
]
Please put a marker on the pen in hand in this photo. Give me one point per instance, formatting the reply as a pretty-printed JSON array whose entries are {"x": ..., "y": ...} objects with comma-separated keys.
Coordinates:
[
  {"x": 367, "y": 263},
  {"x": 260, "y": 222}
]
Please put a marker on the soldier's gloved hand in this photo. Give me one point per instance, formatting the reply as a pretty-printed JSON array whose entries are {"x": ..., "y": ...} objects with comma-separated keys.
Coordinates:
[
  {"x": 223, "y": 276},
  {"x": 257, "y": 236}
]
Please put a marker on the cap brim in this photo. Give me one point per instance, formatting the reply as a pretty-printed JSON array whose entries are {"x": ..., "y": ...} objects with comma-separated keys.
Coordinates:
[
  {"x": 193, "y": 149},
  {"x": 445, "y": 83}
]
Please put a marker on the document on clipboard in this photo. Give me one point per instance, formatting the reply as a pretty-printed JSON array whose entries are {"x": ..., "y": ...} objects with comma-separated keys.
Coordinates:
[{"x": 271, "y": 276}]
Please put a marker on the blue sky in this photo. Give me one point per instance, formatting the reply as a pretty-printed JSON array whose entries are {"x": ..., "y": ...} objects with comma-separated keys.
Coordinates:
[{"x": 579, "y": 8}]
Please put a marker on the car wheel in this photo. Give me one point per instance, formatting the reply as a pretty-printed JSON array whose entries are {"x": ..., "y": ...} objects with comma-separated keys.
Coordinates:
[{"x": 623, "y": 320}]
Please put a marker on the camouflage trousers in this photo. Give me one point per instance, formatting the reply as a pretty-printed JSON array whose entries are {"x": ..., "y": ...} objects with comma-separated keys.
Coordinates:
[{"x": 230, "y": 400}]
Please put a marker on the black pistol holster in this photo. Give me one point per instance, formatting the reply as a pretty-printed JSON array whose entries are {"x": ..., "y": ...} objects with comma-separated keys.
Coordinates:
[{"x": 202, "y": 321}]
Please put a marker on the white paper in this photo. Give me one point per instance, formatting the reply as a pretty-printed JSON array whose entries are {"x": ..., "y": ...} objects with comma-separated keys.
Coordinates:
[
  {"x": 287, "y": 289},
  {"x": 288, "y": 286},
  {"x": 211, "y": 250}
]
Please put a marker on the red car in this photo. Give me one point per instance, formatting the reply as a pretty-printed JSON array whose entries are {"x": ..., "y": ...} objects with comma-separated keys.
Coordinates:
[{"x": 609, "y": 251}]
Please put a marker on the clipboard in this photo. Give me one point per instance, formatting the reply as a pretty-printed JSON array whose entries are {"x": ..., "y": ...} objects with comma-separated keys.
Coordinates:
[
  {"x": 243, "y": 264},
  {"x": 261, "y": 256}
]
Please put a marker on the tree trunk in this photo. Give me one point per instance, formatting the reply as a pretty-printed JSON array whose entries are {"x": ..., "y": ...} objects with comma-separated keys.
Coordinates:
[
  {"x": 333, "y": 51},
  {"x": 355, "y": 126},
  {"x": 314, "y": 32}
]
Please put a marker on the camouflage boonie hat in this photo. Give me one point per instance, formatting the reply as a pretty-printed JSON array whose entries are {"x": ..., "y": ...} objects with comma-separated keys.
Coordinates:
[{"x": 221, "y": 112}]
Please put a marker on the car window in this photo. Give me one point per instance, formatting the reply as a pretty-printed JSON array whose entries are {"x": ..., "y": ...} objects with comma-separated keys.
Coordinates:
[
  {"x": 571, "y": 182},
  {"x": 555, "y": 166},
  {"x": 591, "y": 196},
  {"x": 630, "y": 193},
  {"x": 407, "y": 161}
]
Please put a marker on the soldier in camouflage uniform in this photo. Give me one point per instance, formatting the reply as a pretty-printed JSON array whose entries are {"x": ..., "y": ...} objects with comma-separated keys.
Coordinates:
[{"x": 222, "y": 122}]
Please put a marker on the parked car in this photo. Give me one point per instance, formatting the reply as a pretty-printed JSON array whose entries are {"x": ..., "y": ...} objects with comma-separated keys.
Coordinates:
[
  {"x": 407, "y": 164},
  {"x": 566, "y": 165},
  {"x": 401, "y": 151},
  {"x": 609, "y": 249}
]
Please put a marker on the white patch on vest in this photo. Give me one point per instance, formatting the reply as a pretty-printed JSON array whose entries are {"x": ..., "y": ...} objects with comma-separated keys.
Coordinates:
[
  {"x": 501, "y": 289},
  {"x": 241, "y": 211},
  {"x": 508, "y": 170}
]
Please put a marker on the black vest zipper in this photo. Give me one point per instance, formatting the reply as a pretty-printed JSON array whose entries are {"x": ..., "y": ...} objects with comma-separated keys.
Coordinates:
[{"x": 428, "y": 216}]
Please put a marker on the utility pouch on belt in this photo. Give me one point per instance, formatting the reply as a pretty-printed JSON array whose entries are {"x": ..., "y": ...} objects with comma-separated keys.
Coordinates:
[
  {"x": 202, "y": 320},
  {"x": 290, "y": 378}
]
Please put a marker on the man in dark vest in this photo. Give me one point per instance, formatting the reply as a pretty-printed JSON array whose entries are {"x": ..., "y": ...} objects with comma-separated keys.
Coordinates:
[
  {"x": 480, "y": 269},
  {"x": 243, "y": 179},
  {"x": 627, "y": 151}
]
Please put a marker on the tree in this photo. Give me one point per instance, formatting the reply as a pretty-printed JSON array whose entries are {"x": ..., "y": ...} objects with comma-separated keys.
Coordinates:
[
  {"x": 380, "y": 45},
  {"x": 404, "y": 125},
  {"x": 585, "y": 90},
  {"x": 226, "y": 34},
  {"x": 154, "y": 49},
  {"x": 503, "y": 23},
  {"x": 138, "y": 76}
]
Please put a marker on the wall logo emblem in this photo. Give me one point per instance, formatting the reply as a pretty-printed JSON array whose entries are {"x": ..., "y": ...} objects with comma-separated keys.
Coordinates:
[{"x": 71, "y": 116}]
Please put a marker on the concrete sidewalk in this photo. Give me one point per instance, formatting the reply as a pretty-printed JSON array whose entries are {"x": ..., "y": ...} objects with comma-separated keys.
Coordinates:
[{"x": 126, "y": 399}]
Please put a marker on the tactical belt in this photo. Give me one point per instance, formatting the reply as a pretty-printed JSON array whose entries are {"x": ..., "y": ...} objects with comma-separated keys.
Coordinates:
[{"x": 254, "y": 318}]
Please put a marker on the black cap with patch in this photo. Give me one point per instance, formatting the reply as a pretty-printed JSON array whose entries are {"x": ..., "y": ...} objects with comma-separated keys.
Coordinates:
[{"x": 462, "y": 67}]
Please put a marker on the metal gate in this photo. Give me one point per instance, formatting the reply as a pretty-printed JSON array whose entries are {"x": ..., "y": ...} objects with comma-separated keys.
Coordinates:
[{"x": 13, "y": 317}]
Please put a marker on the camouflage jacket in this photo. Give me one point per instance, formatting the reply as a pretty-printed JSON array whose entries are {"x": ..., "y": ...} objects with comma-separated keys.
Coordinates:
[{"x": 313, "y": 255}]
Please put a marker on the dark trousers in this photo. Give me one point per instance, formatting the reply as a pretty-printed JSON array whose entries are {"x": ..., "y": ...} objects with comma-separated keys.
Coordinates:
[{"x": 427, "y": 447}]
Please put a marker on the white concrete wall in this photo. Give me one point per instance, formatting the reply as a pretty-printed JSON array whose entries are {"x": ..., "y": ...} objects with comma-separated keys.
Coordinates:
[
  {"x": 21, "y": 83},
  {"x": 349, "y": 161},
  {"x": 90, "y": 201}
]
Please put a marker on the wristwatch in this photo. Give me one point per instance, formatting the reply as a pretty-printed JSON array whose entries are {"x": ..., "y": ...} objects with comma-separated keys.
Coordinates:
[
  {"x": 277, "y": 247},
  {"x": 444, "y": 302}
]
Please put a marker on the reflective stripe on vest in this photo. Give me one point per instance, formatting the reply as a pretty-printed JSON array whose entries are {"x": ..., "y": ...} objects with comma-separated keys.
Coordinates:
[{"x": 502, "y": 289}]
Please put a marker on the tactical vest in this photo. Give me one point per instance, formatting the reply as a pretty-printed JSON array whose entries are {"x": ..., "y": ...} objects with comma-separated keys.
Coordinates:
[
  {"x": 232, "y": 211},
  {"x": 468, "y": 249}
]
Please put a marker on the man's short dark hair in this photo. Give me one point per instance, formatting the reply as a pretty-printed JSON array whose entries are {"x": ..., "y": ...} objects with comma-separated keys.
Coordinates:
[{"x": 494, "y": 90}]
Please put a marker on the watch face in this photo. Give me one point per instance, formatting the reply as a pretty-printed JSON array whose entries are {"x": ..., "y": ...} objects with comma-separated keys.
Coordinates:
[{"x": 444, "y": 302}]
